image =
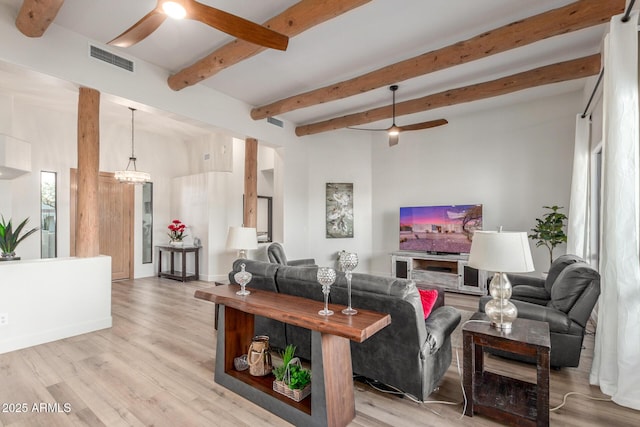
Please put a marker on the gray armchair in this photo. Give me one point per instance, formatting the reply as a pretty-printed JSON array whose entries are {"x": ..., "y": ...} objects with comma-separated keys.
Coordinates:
[
  {"x": 535, "y": 289},
  {"x": 573, "y": 290},
  {"x": 276, "y": 255}
]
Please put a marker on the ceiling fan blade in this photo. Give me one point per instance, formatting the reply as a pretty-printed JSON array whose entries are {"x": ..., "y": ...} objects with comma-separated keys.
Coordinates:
[
  {"x": 369, "y": 129},
  {"x": 393, "y": 140},
  {"x": 236, "y": 26},
  {"x": 140, "y": 30},
  {"x": 424, "y": 125}
]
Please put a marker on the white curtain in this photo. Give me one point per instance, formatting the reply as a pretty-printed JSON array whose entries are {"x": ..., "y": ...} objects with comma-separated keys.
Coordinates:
[
  {"x": 616, "y": 362},
  {"x": 579, "y": 208}
]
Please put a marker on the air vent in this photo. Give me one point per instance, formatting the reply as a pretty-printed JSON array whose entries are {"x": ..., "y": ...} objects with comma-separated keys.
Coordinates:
[
  {"x": 275, "y": 122},
  {"x": 111, "y": 58}
]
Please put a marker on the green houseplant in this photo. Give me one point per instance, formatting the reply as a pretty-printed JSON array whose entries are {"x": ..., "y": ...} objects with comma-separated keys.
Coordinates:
[
  {"x": 292, "y": 379},
  {"x": 549, "y": 230},
  {"x": 10, "y": 238},
  {"x": 287, "y": 356}
]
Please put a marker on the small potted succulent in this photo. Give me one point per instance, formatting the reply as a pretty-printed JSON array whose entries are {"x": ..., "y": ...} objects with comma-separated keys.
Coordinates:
[
  {"x": 292, "y": 379},
  {"x": 10, "y": 238}
]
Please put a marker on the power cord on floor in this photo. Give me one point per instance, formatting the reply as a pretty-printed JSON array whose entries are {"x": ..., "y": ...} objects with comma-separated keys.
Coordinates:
[
  {"x": 564, "y": 399},
  {"x": 389, "y": 389}
]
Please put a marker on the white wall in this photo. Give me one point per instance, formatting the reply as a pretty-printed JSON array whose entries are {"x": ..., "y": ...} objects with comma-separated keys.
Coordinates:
[
  {"x": 338, "y": 157},
  {"x": 513, "y": 160}
]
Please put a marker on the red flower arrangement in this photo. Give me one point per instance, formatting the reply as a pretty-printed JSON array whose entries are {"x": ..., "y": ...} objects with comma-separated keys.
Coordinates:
[{"x": 177, "y": 230}]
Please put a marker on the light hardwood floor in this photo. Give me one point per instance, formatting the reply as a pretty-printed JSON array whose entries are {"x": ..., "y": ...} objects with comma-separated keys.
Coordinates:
[{"x": 155, "y": 367}]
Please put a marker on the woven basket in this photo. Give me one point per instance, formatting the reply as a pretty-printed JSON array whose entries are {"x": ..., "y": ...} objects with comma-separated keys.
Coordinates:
[{"x": 295, "y": 394}]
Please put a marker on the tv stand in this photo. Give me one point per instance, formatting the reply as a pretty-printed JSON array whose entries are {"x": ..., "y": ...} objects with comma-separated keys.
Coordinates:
[{"x": 448, "y": 271}]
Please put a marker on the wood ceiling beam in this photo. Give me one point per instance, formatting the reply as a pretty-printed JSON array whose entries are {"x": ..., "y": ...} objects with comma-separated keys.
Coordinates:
[
  {"x": 563, "y": 71},
  {"x": 35, "y": 16},
  {"x": 573, "y": 17},
  {"x": 293, "y": 21}
]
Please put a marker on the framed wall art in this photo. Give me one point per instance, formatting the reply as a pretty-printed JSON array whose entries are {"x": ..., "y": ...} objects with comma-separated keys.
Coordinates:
[{"x": 339, "y": 217}]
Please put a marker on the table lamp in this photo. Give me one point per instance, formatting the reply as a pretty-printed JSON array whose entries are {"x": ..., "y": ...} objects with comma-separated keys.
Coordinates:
[
  {"x": 242, "y": 239},
  {"x": 502, "y": 252}
]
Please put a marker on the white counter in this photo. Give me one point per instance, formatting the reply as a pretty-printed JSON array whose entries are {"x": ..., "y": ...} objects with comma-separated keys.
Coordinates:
[{"x": 52, "y": 299}]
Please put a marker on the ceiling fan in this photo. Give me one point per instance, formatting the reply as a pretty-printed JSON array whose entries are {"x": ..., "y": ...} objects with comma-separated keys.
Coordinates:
[
  {"x": 216, "y": 18},
  {"x": 395, "y": 130}
]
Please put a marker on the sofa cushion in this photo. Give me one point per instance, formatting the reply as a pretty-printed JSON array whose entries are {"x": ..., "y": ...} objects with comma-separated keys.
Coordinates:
[
  {"x": 428, "y": 298},
  {"x": 390, "y": 286}
]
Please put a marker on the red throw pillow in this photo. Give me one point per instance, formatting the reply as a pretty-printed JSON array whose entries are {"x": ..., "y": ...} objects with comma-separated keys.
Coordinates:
[{"x": 428, "y": 297}]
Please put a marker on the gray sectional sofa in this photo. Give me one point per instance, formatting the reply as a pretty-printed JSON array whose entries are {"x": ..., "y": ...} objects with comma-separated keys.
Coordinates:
[{"x": 411, "y": 354}]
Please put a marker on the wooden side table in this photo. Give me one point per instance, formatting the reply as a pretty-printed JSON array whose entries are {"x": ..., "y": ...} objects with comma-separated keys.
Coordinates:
[
  {"x": 183, "y": 250},
  {"x": 510, "y": 400}
]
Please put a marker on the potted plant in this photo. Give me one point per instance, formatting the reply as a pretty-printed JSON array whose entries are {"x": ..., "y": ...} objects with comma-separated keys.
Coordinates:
[
  {"x": 292, "y": 379},
  {"x": 10, "y": 238},
  {"x": 177, "y": 232},
  {"x": 549, "y": 230}
]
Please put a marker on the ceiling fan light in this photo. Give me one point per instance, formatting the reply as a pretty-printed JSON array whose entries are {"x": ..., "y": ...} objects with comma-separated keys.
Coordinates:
[
  {"x": 174, "y": 9},
  {"x": 394, "y": 130}
]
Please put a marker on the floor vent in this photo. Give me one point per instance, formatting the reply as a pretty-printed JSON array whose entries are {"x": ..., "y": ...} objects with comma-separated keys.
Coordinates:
[
  {"x": 111, "y": 58},
  {"x": 275, "y": 122}
]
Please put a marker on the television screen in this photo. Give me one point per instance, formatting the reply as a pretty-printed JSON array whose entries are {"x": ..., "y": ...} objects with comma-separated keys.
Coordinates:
[{"x": 439, "y": 229}]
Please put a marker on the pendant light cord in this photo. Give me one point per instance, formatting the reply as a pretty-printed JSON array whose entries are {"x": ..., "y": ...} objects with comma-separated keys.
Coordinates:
[
  {"x": 393, "y": 92},
  {"x": 133, "y": 156}
]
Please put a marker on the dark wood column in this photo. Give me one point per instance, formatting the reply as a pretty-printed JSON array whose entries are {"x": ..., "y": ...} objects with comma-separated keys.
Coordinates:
[
  {"x": 250, "y": 182},
  {"x": 87, "y": 222}
]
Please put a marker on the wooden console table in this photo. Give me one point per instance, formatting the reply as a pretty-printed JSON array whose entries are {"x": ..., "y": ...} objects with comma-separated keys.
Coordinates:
[
  {"x": 172, "y": 273},
  {"x": 509, "y": 400},
  {"x": 331, "y": 402}
]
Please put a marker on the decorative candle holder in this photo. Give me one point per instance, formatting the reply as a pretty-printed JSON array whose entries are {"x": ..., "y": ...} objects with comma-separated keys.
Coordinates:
[
  {"x": 348, "y": 261},
  {"x": 242, "y": 277},
  {"x": 326, "y": 277}
]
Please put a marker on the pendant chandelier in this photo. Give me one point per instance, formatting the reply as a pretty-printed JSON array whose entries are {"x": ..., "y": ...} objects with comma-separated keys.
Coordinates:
[{"x": 132, "y": 176}]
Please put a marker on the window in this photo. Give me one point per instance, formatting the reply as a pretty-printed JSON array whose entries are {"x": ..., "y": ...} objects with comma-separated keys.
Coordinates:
[{"x": 48, "y": 215}]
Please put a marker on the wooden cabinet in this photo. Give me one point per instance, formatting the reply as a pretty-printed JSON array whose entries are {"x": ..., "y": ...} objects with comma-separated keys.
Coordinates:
[{"x": 450, "y": 272}]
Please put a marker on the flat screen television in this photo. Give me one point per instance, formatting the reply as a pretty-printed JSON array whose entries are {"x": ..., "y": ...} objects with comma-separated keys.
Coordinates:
[{"x": 439, "y": 229}]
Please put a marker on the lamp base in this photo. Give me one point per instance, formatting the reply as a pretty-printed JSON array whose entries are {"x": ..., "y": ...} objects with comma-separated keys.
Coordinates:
[
  {"x": 500, "y": 310},
  {"x": 505, "y": 326}
]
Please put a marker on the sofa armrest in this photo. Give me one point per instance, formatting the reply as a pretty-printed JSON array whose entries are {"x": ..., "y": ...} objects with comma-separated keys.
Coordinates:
[
  {"x": 440, "y": 324},
  {"x": 558, "y": 321},
  {"x": 308, "y": 262}
]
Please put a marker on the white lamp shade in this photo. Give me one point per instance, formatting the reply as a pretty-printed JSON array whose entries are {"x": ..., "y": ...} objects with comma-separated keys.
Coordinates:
[
  {"x": 503, "y": 251},
  {"x": 242, "y": 238}
]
